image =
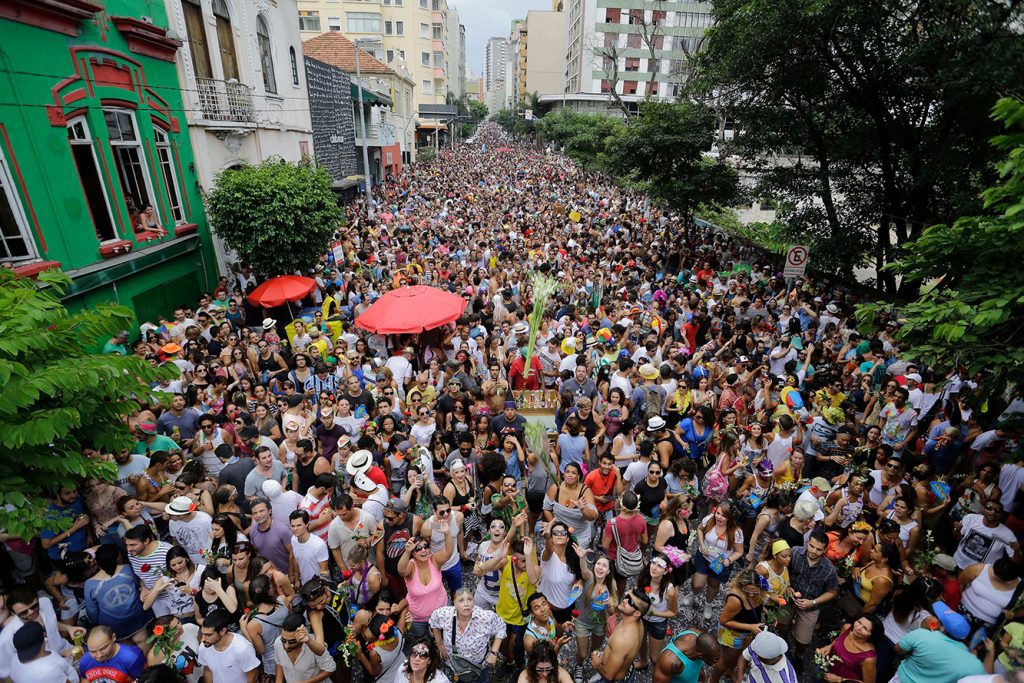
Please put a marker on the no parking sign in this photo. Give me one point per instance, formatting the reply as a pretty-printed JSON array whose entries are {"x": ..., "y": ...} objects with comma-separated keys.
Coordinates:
[{"x": 796, "y": 261}]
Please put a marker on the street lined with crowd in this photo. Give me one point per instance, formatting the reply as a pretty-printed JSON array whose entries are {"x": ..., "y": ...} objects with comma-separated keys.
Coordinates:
[{"x": 731, "y": 480}]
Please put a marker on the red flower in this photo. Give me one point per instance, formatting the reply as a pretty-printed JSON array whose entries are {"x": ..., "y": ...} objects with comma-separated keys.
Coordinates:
[
  {"x": 575, "y": 613},
  {"x": 346, "y": 574},
  {"x": 647, "y": 589},
  {"x": 668, "y": 632},
  {"x": 192, "y": 507},
  {"x": 158, "y": 630},
  {"x": 145, "y": 568}
]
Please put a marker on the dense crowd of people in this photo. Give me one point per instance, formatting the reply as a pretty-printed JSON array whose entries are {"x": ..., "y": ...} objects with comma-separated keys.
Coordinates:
[{"x": 732, "y": 479}]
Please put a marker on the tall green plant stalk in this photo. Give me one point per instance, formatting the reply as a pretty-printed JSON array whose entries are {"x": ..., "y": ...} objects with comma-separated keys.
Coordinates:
[
  {"x": 537, "y": 441},
  {"x": 543, "y": 288}
]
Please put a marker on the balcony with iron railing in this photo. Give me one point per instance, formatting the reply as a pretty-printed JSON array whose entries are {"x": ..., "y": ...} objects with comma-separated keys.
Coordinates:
[{"x": 228, "y": 101}]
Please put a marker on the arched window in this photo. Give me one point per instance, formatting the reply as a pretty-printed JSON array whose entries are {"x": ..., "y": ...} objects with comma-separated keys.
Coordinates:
[
  {"x": 225, "y": 40},
  {"x": 266, "y": 56},
  {"x": 295, "y": 66}
]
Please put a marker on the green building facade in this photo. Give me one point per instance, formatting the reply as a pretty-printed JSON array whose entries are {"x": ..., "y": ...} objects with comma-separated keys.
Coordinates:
[{"x": 92, "y": 134}]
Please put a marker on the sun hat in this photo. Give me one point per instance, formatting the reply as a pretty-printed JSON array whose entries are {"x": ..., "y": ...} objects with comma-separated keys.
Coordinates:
[
  {"x": 146, "y": 427},
  {"x": 655, "y": 424},
  {"x": 359, "y": 462},
  {"x": 182, "y": 505},
  {"x": 269, "y": 323},
  {"x": 170, "y": 349},
  {"x": 648, "y": 371},
  {"x": 520, "y": 328}
]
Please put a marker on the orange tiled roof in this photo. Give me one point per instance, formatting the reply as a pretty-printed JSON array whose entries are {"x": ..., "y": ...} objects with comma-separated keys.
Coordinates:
[{"x": 337, "y": 50}]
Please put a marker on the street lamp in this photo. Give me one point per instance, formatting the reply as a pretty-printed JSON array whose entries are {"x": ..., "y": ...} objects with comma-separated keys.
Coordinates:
[{"x": 368, "y": 179}]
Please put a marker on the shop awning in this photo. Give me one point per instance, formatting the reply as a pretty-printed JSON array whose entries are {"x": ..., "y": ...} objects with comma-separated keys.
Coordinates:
[
  {"x": 430, "y": 124},
  {"x": 369, "y": 96}
]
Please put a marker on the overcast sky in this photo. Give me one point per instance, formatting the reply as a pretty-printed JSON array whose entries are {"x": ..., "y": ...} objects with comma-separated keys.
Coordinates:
[{"x": 484, "y": 19}]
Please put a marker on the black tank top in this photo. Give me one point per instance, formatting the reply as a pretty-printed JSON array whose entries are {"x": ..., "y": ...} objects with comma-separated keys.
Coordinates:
[
  {"x": 305, "y": 474},
  {"x": 266, "y": 364},
  {"x": 460, "y": 499}
]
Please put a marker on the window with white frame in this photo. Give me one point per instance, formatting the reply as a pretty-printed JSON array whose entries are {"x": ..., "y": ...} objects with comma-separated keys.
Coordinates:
[
  {"x": 437, "y": 32},
  {"x": 427, "y": 87},
  {"x": 309, "y": 20},
  {"x": 425, "y": 58},
  {"x": 15, "y": 241},
  {"x": 389, "y": 28},
  {"x": 363, "y": 22},
  {"x": 92, "y": 182},
  {"x": 391, "y": 56},
  {"x": 266, "y": 55},
  {"x": 438, "y": 59},
  {"x": 166, "y": 162},
  {"x": 129, "y": 159},
  {"x": 424, "y": 30},
  {"x": 424, "y": 4},
  {"x": 399, "y": 28},
  {"x": 334, "y": 24}
]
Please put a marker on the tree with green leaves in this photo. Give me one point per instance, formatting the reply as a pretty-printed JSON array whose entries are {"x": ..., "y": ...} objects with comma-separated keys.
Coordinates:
[
  {"x": 868, "y": 120},
  {"x": 477, "y": 109},
  {"x": 58, "y": 396},
  {"x": 278, "y": 217},
  {"x": 970, "y": 308},
  {"x": 583, "y": 137},
  {"x": 663, "y": 152}
]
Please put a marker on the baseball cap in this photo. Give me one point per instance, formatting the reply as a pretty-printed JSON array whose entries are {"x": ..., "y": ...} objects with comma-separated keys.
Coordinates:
[
  {"x": 397, "y": 505},
  {"x": 956, "y": 626},
  {"x": 28, "y": 639}
]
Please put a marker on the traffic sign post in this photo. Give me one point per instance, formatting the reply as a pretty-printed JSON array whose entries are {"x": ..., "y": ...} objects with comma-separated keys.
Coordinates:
[{"x": 796, "y": 261}]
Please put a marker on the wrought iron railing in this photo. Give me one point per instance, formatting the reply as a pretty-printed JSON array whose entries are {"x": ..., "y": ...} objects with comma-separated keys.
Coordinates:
[{"x": 226, "y": 100}]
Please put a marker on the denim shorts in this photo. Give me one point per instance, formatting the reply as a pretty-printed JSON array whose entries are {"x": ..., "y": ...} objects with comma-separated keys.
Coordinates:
[{"x": 702, "y": 566}]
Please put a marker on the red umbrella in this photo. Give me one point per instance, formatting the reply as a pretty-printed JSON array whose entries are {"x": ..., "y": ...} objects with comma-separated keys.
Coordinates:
[
  {"x": 280, "y": 290},
  {"x": 411, "y": 309}
]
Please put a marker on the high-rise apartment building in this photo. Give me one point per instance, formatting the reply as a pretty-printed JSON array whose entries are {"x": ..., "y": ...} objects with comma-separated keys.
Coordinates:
[
  {"x": 456, "y": 64},
  {"x": 495, "y": 56},
  {"x": 636, "y": 50},
  {"x": 413, "y": 34}
]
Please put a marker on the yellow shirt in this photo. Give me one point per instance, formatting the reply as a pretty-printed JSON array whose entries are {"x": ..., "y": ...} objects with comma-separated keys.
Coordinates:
[{"x": 508, "y": 608}]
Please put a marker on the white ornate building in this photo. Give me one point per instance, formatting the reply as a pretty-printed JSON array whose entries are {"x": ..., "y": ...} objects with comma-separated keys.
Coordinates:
[{"x": 243, "y": 83}]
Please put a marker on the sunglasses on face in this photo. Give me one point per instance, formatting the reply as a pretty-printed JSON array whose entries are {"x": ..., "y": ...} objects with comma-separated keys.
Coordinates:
[
  {"x": 892, "y": 465},
  {"x": 34, "y": 607},
  {"x": 420, "y": 652},
  {"x": 560, "y": 532},
  {"x": 656, "y": 472},
  {"x": 544, "y": 669},
  {"x": 443, "y": 513}
]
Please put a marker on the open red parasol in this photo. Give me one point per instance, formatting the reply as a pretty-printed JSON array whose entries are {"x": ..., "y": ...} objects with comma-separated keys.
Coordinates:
[
  {"x": 280, "y": 290},
  {"x": 408, "y": 310}
]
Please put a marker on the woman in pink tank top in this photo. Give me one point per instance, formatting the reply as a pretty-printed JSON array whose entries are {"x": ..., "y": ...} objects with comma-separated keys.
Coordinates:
[
  {"x": 854, "y": 646},
  {"x": 421, "y": 570}
]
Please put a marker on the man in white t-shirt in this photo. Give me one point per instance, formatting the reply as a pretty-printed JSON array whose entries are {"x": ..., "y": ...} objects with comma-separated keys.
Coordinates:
[
  {"x": 34, "y": 663},
  {"x": 984, "y": 538},
  {"x": 27, "y": 608},
  {"x": 189, "y": 527},
  {"x": 228, "y": 657},
  {"x": 401, "y": 369},
  {"x": 310, "y": 551}
]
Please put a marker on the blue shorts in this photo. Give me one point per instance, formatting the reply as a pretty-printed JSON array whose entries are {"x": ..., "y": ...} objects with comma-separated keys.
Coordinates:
[
  {"x": 656, "y": 629},
  {"x": 702, "y": 566},
  {"x": 453, "y": 577}
]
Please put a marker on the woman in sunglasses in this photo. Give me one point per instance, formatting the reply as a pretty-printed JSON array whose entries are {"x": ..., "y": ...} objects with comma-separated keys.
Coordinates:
[
  {"x": 542, "y": 666},
  {"x": 423, "y": 664}
]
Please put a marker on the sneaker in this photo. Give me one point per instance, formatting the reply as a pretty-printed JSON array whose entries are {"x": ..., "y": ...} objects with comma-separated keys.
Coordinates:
[
  {"x": 687, "y": 600},
  {"x": 707, "y": 611},
  {"x": 578, "y": 675}
]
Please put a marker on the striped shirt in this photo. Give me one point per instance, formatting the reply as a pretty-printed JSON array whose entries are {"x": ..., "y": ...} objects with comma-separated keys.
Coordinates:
[{"x": 149, "y": 569}]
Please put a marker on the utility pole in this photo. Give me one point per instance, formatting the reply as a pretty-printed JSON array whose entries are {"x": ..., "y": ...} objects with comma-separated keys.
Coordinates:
[{"x": 367, "y": 177}]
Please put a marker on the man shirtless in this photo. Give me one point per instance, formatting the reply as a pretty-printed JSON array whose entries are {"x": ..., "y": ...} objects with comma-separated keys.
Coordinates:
[
  {"x": 615, "y": 661},
  {"x": 683, "y": 659}
]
